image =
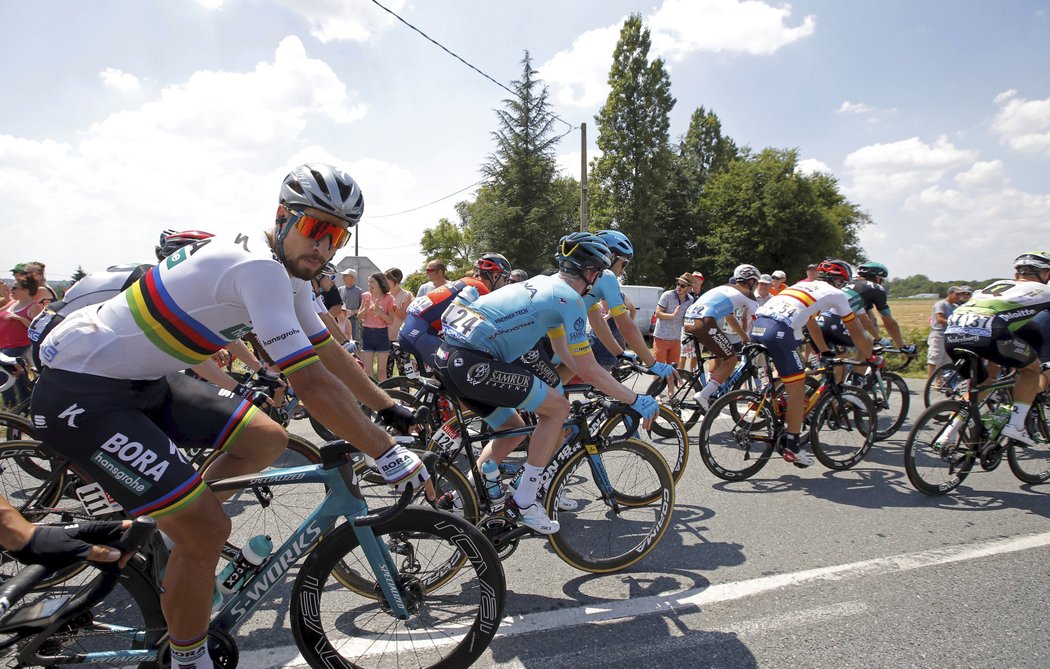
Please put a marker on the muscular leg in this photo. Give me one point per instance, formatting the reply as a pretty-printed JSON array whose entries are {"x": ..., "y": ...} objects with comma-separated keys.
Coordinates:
[
  {"x": 198, "y": 532},
  {"x": 260, "y": 443}
]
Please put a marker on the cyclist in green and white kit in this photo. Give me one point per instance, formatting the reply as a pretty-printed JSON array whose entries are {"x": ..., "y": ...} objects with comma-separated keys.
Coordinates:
[{"x": 1008, "y": 323}]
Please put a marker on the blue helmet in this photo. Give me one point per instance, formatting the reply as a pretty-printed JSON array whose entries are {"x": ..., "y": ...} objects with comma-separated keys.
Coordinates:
[
  {"x": 581, "y": 252},
  {"x": 617, "y": 242}
]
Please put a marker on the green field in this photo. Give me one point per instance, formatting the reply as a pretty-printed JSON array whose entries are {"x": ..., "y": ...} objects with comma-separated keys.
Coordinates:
[{"x": 912, "y": 314}]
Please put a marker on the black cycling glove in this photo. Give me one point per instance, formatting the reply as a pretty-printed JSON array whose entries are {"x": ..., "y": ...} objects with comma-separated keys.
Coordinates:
[
  {"x": 56, "y": 546},
  {"x": 398, "y": 417}
]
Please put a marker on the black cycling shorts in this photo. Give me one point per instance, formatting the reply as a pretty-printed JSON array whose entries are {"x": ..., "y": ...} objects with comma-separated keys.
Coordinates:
[
  {"x": 487, "y": 385},
  {"x": 992, "y": 341},
  {"x": 834, "y": 330},
  {"x": 123, "y": 433}
]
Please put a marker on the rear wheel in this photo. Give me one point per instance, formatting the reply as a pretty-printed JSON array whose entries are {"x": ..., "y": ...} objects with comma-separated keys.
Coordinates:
[
  {"x": 891, "y": 402},
  {"x": 1031, "y": 464},
  {"x": 666, "y": 434},
  {"x": 941, "y": 448}
]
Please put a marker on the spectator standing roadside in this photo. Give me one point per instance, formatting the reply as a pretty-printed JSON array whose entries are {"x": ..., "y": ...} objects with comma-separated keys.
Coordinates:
[
  {"x": 670, "y": 316},
  {"x": 351, "y": 296},
  {"x": 763, "y": 292},
  {"x": 688, "y": 357},
  {"x": 436, "y": 273},
  {"x": 377, "y": 313},
  {"x": 942, "y": 311},
  {"x": 402, "y": 298},
  {"x": 811, "y": 273},
  {"x": 31, "y": 275},
  {"x": 778, "y": 284},
  {"x": 15, "y": 318},
  {"x": 518, "y": 275}
]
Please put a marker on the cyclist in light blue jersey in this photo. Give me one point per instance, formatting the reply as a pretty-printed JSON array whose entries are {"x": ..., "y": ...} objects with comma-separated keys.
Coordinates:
[
  {"x": 704, "y": 319},
  {"x": 493, "y": 360},
  {"x": 612, "y": 335}
]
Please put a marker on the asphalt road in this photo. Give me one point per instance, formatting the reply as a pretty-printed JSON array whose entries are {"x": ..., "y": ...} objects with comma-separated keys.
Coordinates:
[{"x": 794, "y": 568}]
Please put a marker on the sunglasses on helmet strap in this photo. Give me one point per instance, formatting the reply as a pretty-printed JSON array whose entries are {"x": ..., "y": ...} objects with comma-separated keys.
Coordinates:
[{"x": 317, "y": 230}]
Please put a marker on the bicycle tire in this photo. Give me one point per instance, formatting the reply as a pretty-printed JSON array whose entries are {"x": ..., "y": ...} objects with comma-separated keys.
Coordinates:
[
  {"x": 16, "y": 426},
  {"x": 403, "y": 383},
  {"x": 738, "y": 435},
  {"x": 129, "y": 617},
  {"x": 595, "y": 539},
  {"x": 1031, "y": 464},
  {"x": 891, "y": 407},
  {"x": 667, "y": 434},
  {"x": 842, "y": 428},
  {"x": 451, "y": 626},
  {"x": 937, "y": 459}
]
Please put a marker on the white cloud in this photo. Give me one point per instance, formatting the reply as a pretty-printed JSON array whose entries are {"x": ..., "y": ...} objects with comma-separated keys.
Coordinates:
[
  {"x": 1023, "y": 125},
  {"x": 681, "y": 27},
  {"x": 848, "y": 107},
  {"x": 334, "y": 20},
  {"x": 204, "y": 153},
  {"x": 119, "y": 81},
  {"x": 579, "y": 75},
  {"x": 885, "y": 171},
  {"x": 811, "y": 166},
  {"x": 982, "y": 173}
]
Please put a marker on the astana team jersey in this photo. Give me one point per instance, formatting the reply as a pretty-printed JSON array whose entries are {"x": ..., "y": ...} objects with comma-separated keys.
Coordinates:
[
  {"x": 794, "y": 306},
  {"x": 189, "y": 306},
  {"x": 508, "y": 322},
  {"x": 1015, "y": 302},
  {"x": 606, "y": 288},
  {"x": 718, "y": 303}
]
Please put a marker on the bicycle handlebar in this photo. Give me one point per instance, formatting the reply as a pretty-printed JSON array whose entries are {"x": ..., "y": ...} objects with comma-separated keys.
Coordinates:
[{"x": 134, "y": 538}]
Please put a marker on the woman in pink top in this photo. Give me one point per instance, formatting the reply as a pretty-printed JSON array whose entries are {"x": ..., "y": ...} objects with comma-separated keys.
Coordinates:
[
  {"x": 376, "y": 314},
  {"x": 14, "y": 335}
]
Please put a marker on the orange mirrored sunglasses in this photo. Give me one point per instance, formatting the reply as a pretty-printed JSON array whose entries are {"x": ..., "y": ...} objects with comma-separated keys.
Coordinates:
[{"x": 316, "y": 229}]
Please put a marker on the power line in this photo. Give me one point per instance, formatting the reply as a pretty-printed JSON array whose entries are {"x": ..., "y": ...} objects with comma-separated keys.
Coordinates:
[
  {"x": 457, "y": 57},
  {"x": 444, "y": 197}
]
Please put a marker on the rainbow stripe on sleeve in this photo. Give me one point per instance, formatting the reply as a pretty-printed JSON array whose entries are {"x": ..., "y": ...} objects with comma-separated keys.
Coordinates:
[{"x": 166, "y": 325}]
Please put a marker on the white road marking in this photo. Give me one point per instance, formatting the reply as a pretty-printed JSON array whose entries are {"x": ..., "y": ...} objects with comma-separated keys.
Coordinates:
[{"x": 670, "y": 603}]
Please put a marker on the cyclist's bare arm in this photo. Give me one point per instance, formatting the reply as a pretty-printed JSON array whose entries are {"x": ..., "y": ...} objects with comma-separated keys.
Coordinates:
[
  {"x": 735, "y": 326},
  {"x": 343, "y": 366},
  {"x": 816, "y": 335},
  {"x": 870, "y": 324},
  {"x": 241, "y": 351},
  {"x": 333, "y": 327},
  {"x": 330, "y": 401},
  {"x": 210, "y": 371},
  {"x": 893, "y": 329},
  {"x": 590, "y": 371}
]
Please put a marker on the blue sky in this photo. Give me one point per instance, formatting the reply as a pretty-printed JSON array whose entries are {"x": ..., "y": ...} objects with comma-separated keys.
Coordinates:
[{"x": 123, "y": 118}]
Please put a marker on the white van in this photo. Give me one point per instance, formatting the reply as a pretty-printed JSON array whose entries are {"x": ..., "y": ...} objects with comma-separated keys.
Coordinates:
[{"x": 644, "y": 299}]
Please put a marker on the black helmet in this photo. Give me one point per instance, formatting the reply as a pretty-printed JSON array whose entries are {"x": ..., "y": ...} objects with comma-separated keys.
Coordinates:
[{"x": 582, "y": 252}]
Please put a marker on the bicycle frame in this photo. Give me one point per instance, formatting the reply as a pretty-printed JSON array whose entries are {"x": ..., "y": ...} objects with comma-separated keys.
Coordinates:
[{"x": 343, "y": 500}]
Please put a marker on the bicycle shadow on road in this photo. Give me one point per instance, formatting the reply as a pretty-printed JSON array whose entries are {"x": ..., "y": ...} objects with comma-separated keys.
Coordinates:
[{"x": 656, "y": 641}]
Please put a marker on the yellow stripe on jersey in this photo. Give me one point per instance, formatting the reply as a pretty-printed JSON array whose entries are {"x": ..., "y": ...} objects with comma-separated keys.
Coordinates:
[
  {"x": 583, "y": 348},
  {"x": 849, "y": 317},
  {"x": 616, "y": 311},
  {"x": 800, "y": 295},
  {"x": 556, "y": 332}
]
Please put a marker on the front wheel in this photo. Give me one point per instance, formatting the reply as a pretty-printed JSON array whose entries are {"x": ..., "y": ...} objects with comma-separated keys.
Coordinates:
[
  {"x": 666, "y": 434},
  {"x": 738, "y": 435},
  {"x": 842, "y": 428},
  {"x": 450, "y": 626},
  {"x": 941, "y": 449},
  {"x": 1031, "y": 464},
  {"x": 891, "y": 400},
  {"x": 612, "y": 527}
]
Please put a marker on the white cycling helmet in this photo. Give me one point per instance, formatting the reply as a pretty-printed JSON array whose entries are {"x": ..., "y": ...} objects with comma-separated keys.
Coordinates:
[{"x": 746, "y": 272}]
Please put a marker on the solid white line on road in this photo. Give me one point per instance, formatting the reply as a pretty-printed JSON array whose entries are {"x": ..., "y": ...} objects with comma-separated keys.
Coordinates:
[{"x": 670, "y": 603}]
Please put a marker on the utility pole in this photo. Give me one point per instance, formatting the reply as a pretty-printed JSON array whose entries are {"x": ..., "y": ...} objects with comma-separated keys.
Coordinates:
[{"x": 584, "y": 212}]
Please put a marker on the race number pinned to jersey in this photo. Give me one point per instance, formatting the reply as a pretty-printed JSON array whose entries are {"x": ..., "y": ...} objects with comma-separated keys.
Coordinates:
[
  {"x": 969, "y": 324},
  {"x": 460, "y": 321}
]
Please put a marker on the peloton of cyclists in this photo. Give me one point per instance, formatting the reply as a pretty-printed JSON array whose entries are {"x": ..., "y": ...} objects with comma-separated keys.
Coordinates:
[{"x": 778, "y": 326}]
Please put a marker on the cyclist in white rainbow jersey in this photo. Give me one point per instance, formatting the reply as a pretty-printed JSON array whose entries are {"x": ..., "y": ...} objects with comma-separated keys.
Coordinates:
[{"x": 104, "y": 400}]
